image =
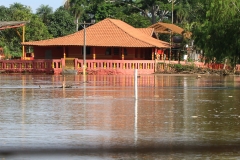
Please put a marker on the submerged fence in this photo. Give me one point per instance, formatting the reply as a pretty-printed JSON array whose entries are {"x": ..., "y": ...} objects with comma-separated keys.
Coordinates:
[
  {"x": 56, "y": 66},
  {"x": 31, "y": 66}
]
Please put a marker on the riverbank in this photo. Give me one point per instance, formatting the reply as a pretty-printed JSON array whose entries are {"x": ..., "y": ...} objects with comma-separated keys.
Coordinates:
[
  {"x": 201, "y": 71},
  {"x": 196, "y": 68}
]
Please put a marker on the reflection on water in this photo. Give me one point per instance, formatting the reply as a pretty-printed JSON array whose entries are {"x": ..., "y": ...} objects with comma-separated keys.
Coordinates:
[{"x": 175, "y": 117}]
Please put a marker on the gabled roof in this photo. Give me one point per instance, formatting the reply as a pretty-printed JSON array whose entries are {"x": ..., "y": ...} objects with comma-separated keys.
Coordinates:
[
  {"x": 161, "y": 27},
  {"x": 148, "y": 31},
  {"x": 11, "y": 24},
  {"x": 108, "y": 33}
]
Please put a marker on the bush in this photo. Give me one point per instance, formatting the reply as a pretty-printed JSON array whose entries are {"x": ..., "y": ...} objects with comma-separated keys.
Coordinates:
[{"x": 180, "y": 68}]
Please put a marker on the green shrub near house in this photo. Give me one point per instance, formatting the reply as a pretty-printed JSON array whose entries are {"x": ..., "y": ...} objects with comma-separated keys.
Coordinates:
[{"x": 180, "y": 67}]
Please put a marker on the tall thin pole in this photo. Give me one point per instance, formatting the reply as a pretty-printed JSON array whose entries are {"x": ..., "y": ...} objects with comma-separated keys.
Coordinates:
[
  {"x": 84, "y": 53},
  {"x": 172, "y": 11},
  {"x": 171, "y": 37},
  {"x": 136, "y": 84},
  {"x": 76, "y": 24},
  {"x": 84, "y": 24},
  {"x": 136, "y": 122},
  {"x": 170, "y": 47}
]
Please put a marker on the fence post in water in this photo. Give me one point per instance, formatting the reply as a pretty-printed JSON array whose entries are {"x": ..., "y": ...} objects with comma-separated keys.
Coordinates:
[{"x": 135, "y": 84}]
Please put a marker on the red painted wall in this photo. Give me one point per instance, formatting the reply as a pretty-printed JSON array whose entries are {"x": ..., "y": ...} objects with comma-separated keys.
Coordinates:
[
  {"x": 74, "y": 52},
  {"x": 57, "y": 52},
  {"x": 48, "y": 52}
]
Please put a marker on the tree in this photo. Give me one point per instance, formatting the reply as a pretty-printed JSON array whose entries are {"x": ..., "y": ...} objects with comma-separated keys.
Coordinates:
[
  {"x": 218, "y": 34},
  {"x": 4, "y": 13},
  {"x": 60, "y": 23},
  {"x": 11, "y": 38},
  {"x": 43, "y": 12},
  {"x": 182, "y": 11},
  {"x": 36, "y": 30},
  {"x": 105, "y": 10},
  {"x": 77, "y": 8},
  {"x": 149, "y": 9},
  {"x": 120, "y": 11},
  {"x": 83, "y": 9}
]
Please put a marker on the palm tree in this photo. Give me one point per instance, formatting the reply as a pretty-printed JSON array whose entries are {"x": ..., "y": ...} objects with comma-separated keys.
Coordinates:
[
  {"x": 43, "y": 11},
  {"x": 77, "y": 8},
  {"x": 66, "y": 4},
  {"x": 182, "y": 12}
]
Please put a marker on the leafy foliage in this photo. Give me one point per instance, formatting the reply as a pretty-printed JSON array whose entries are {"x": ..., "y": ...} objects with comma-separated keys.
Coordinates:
[
  {"x": 218, "y": 34},
  {"x": 60, "y": 23},
  {"x": 10, "y": 39},
  {"x": 43, "y": 12}
]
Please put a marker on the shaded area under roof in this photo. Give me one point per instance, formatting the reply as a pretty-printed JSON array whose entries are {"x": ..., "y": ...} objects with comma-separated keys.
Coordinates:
[
  {"x": 11, "y": 24},
  {"x": 107, "y": 33},
  {"x": 161, "y": 27}
]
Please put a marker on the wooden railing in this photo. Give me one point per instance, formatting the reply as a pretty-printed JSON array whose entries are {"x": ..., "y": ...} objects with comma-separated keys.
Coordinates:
[
  {"x": 32, "y": 66},
  {"x": 115, "y": 66},
  {"x": 94, "y": 66}
]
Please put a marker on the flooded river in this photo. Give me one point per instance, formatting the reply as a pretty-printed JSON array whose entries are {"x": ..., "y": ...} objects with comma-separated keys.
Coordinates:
[{"x": 174, "y": 117}]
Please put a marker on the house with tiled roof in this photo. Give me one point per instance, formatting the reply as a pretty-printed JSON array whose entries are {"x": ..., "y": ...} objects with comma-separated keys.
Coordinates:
[{"x": 107, "y": 39}]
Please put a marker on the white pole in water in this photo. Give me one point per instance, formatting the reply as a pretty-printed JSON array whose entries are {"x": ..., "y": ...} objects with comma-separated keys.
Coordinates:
[
  {"x": 135, "y": 83},
  {"x": 136, "y": 123}
]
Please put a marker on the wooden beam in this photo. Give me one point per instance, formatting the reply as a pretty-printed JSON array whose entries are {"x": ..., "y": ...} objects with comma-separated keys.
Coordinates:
[{"x": 12, "y": 26}]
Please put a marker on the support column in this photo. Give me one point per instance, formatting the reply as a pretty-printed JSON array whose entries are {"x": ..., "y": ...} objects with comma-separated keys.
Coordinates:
[
  {"x": 94, "y": 57},
  {"x": 23, "y": 40},
  {"x": 122, "y": 53},
  {"x": 64, "y": 52},
  {"x": 94, "y": 53},
  {"x": 153, "y": 53}
]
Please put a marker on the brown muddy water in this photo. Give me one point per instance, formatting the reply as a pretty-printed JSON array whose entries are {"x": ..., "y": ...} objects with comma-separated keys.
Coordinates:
[{"x": 175, "y": 117}]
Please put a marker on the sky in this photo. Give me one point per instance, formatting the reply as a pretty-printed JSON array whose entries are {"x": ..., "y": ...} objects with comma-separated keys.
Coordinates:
[{"x": 34, "y": 4}]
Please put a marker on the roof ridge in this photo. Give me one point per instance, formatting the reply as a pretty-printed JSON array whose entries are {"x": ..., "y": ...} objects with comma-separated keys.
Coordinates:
[{"x": 126, "y": 31}]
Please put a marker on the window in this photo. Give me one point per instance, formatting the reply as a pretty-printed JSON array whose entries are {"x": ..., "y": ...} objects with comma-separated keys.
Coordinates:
[
  {"x": 108, "y": 51},
  {"x": 136, "y": 54},
  {"x": 116, "y": 51},
  {"x": 141, "y": 55},
  {"x": 48, "y": 54},
  {"x": 88, "y": 50},
  {"x": 125, "y": 51}
]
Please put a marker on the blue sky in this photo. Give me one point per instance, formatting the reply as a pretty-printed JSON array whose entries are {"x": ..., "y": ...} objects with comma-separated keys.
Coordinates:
[{"x": 34, "y": 4}]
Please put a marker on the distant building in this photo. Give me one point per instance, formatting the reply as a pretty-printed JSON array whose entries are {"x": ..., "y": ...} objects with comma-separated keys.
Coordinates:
[{"x": 107, "y": 39}]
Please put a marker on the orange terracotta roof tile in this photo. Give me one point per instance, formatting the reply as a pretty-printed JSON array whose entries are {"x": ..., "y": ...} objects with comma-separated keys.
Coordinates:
[
  {"x": 161, "y": 27},
  {"x": 108, "y": 33},
  {"x": 148, "y": 31}
]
